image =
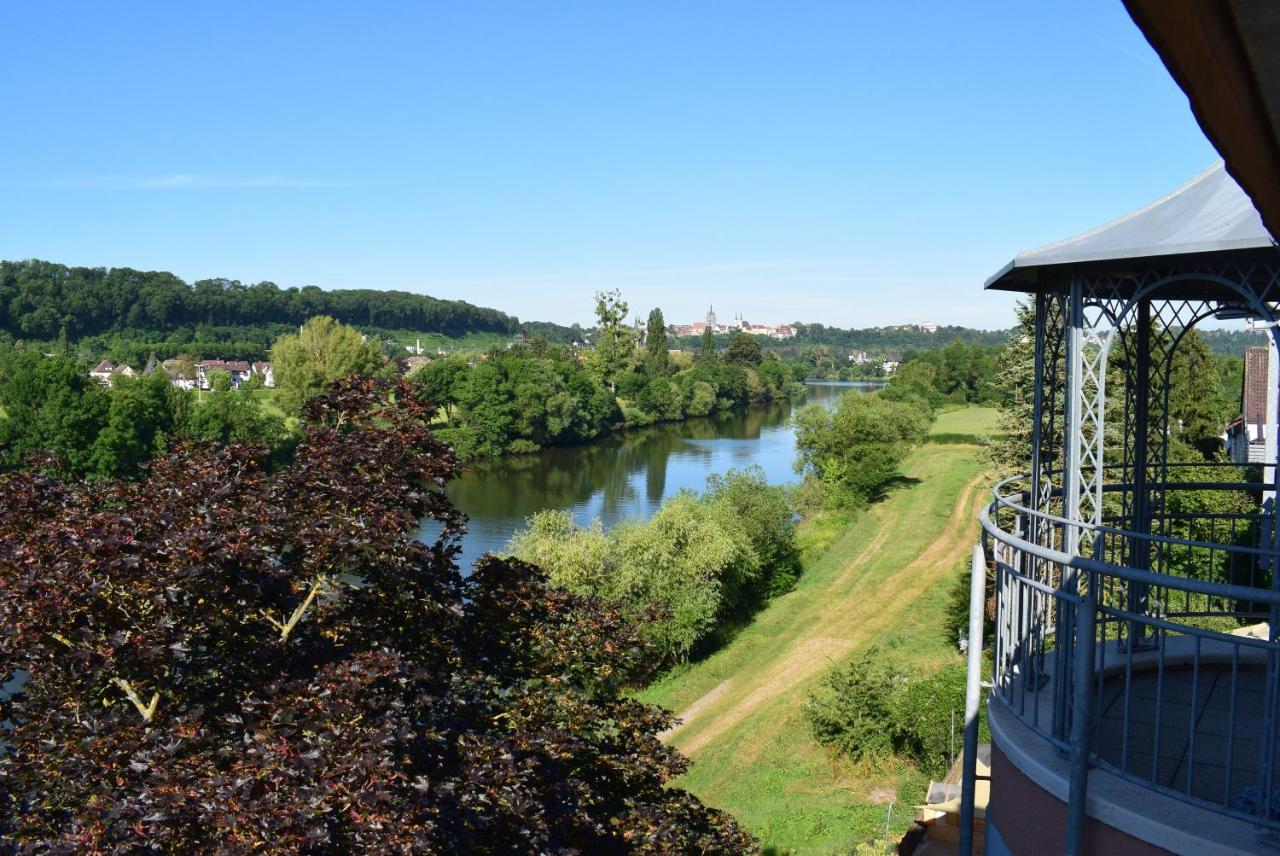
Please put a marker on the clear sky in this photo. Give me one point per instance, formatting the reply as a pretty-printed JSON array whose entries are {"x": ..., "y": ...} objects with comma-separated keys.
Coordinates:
[{"x": 854, "y": 163}]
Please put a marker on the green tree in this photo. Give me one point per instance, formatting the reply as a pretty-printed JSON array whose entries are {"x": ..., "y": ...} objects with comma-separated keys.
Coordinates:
[
  {"x": 852, "y": 711},
  {"x": 743, "y": 350},
  {"x": 442, "y": 380},
  {"x": 50, "y": 404},
  {"x": 321, "y": 351},
  {"x": 219, "y": 380},
  {"x": 233, "y": 416},
  {"x": 614, "y": 339},
  {"x": 1014, "y": 384},
  {"x": 765, "y": 513},
  {"x": 708, "y": 350},
  {"x": 1194, "y": 408},
  {"x": 655, "y": 344},
  {"x": 855, "y": 450},
  {"x": 687, "y": 562},
  {"x": 701, "y": 561},
  {"x": 486, "y": 401},
  {"x": 142, "y": 413}
]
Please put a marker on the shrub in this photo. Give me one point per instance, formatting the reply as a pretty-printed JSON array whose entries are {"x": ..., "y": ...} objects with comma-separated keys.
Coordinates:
[
  {"x": 869, "y": 707},
  {"x": 522, "y": 447},
  {"x": 696, "y": 564},
  {"x": 923, "y": 712},
  {"x": 578, "y": 558},
  {"x": 765, "y": 513},
  {"x": 684, "y": 563},
  {"x": 702, "y": 399},
  {"x": 852, "y": 712},
  {"x": 462, "y": 439}
]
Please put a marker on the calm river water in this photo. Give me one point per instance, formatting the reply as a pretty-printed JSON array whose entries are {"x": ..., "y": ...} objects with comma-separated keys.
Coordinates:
[{"x": 627, "y": 475}]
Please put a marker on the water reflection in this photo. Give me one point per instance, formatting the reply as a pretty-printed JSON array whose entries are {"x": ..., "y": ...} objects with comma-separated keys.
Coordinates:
[{"x": 626, "y": 475}]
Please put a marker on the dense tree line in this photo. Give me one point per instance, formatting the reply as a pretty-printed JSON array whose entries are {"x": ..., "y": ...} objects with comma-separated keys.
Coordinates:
[
  {"x": 826, "y": 350},
  {"x": 957, "y": 373},
  {"x": 1231, "y": 343},
  {"x": 43, "y": 301},
  {"x": 699, "y": 565},
  {"x": 235, "y": 656},
  {"x": 536, "y": 394}
]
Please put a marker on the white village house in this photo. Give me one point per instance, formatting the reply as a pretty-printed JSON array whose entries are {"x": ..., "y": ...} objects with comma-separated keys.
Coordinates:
[{"x": 106, "y": 372}]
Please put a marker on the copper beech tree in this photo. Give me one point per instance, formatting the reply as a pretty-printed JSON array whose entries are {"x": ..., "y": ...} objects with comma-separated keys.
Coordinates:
[{"x": 228, "y": 657}]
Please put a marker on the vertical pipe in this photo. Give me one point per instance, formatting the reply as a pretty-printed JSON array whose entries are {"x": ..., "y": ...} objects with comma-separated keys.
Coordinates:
[
  {"x": 1082, "y": 681},
  {"x": 972, "y": 699}
]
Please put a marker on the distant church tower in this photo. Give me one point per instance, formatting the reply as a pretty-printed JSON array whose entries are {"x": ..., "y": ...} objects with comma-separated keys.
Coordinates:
[{"x": 711, "y": 316}]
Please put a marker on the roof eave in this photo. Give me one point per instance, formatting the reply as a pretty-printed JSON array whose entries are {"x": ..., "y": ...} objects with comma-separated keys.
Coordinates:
[{"x": 1205, "y": 47}]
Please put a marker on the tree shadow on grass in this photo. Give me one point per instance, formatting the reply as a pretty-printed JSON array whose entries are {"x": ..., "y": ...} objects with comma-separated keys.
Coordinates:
[{"x": 898, "y": 482}]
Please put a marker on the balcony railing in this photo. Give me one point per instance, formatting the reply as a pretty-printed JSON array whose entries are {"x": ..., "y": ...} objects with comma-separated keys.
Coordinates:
[{"x": 1137, "y": 671}]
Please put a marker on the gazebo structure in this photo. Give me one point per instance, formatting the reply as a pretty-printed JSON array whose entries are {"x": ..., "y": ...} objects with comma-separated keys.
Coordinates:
[{"x": 1135, "y": 703}]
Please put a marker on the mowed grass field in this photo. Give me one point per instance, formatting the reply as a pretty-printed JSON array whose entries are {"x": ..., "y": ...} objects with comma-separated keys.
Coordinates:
[
  {"x": 971, "y": 421},
  {"x": 886, "y": 575}
]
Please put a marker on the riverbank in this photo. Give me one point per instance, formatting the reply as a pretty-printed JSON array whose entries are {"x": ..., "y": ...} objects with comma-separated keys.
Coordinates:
[
  {"x": 627, "y": 476},
  {"x": 887, "y": 573},
  {"x": 633, "y": 419}
]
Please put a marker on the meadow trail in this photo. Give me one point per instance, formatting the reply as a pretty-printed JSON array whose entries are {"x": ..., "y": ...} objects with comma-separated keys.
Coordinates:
[{"x": 850, "y": 606}]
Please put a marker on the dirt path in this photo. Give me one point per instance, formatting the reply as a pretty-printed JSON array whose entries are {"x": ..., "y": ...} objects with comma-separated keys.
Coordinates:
[{"x": 863, "y": 600}]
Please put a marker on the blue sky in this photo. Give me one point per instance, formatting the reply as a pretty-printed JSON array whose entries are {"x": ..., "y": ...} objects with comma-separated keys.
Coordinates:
[{"x": 845, "y": 162}]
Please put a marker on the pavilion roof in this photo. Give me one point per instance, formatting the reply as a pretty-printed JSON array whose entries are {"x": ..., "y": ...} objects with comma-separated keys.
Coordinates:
[{"x": 1209, "y": 214}]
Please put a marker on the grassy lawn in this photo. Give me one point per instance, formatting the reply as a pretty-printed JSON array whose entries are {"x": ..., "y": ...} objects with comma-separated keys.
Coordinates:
[
  {"x": 886, "y": 575},
  {"x": 979, "y": 421}
]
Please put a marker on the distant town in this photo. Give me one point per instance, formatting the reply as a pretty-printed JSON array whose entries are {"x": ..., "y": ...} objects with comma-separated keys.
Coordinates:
[{"x": 740, "y": 324}]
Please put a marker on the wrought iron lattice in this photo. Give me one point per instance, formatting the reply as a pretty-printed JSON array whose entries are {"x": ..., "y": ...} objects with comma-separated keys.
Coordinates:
[{"x": 1142, "y": 316}]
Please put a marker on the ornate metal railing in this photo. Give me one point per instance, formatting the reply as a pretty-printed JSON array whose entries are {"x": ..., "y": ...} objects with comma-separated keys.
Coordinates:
[{"x": 1137, "y": 670}]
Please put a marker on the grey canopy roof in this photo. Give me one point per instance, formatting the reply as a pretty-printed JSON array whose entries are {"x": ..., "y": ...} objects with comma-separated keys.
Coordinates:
[{"x": 1208, "y": 214}]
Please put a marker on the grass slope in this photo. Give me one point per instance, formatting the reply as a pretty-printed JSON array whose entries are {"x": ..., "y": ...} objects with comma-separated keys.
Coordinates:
[
  {"x": 886, "y": 575},
  {"x": 966, "y": 423}
]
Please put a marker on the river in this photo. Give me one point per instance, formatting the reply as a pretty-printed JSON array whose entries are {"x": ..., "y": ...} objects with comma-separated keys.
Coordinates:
[{"x": 628, "y": 475}]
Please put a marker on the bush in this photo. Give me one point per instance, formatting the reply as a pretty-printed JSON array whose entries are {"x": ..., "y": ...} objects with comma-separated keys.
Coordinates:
[
  {"x": 462, "y": 439},
  {"x": 577, "y": 557},
  {"x": 702, "y": 399},
  {"x": 852, "y": 711},
  {"x": 686, "y": 564},
  {"x": 869, "y": 707},
  {"x": 697, "y": 564},
  {"x": 766, "y": 514},
  {"x": 922, "y": 717},
  {"x": 522, "y": 447}
]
